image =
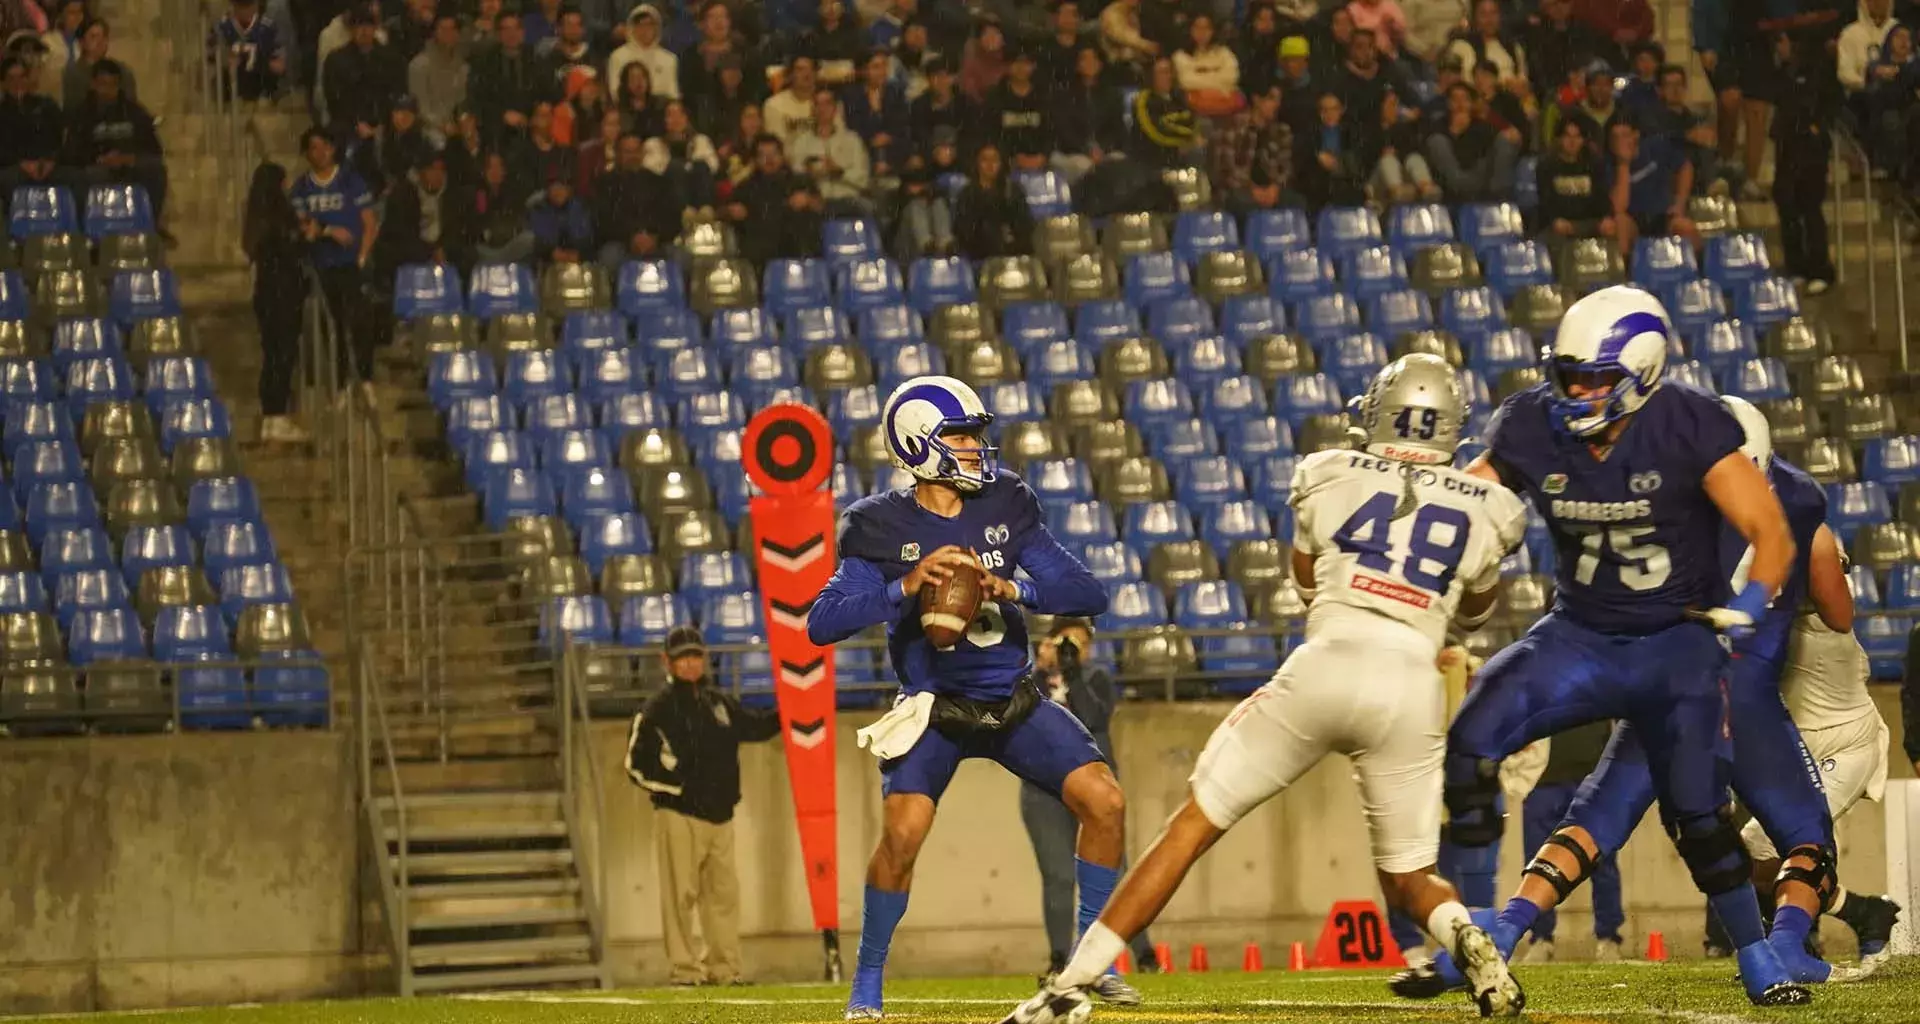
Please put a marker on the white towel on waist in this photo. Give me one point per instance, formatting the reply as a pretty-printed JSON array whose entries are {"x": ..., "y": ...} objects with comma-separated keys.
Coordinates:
[{"x": 898, "y": 730}]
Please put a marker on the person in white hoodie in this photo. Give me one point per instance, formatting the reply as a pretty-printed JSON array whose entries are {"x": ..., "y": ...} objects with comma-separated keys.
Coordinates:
[
  {"x": 643, "y": 46},
  {"x": 1861, "y": 41},
  {"x": 835, "y": 158}
]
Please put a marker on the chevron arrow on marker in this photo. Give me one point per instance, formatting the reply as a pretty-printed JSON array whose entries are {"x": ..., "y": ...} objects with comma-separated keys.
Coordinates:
[
  {"x": 796, "y": 557},
  {"x": 805, "y": 676},
  {"x": 808, "y": 735},
  {"x": 792, "y": 616}
]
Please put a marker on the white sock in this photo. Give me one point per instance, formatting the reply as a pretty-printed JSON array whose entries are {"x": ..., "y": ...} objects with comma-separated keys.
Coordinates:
[
  {"x": 1446, "y": 921},
  {"x": 1096, "y": 952},
  {"x": 1839, "y": 900}
]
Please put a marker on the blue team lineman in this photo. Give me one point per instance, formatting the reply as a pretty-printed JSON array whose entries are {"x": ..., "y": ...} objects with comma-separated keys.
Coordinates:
[
  {"x": 1635, "y": 477},
  {"x": 976, "y": 698}
]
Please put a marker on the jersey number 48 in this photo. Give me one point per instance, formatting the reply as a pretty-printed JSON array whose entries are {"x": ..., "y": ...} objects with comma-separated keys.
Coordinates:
[{"x": 1432, "y": 556}]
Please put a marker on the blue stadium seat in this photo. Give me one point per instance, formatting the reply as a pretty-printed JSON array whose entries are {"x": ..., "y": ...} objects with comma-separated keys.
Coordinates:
[
  {"x": 1178, "y": 321},
  {"x": 645, "y": 619},
  {"x": 1228, "y": 401},
  {"x": 644, "y": 287},
  {"x": 1695, "y": 372},
  {"x": 452, "y": 376},
  {"x": 1153, "y": 276},
  {"x": 1059, "y": 480},
  {"x": 221, "y": 499},
  {"x": 1736, "y": 257},
  {"x": 1151, "y": 401},
  {"x": 509, "y": 493},
  {"x": 14, "y": 303},
  {"x": 245, "y": 585},
  {"x": 760, "y": 369},
  {"x": 1309, "y": 394},
  {"x": 183, "y": 633},
  {"x": 606, "y": 374},
  {"x": 869, "y": 284},
  {"x": 92, "y": 590},
  {"x": 891, "y": 478},
  {"x": 1511, "y": 266},
  {"x": 787, "y": 285},
  {"x": 1046, "y": 192},
  {"x": 736, "y": 327},
  {"x": 1354, "y": 360},
  {"x": 1147, "y": 523},
  {"x": 98, "y": 379},
  {"x": 1081, "y": 523},
  {"x": 41, "y": 210},
  {"x": 933, "y": 282},
  {"x": 78, "y": 338},
  {"x": 666, "y": 331},
  {"x": 814, "y": 326},
  {"x": 66, "y": 551},
  {"x": 191, "y": 418},
  {"x": 1415, "y": 226},
  {"x": 492, "y": 449},
  {"x": 852, "y": 408},
  {"x": 886, "y": 326},
  {"x": 426, "y": 289},
  {"x": 1660, "y": 263},
  {"x": 1245, "y": 317},
  {"x": 1113, "y": 563},
  {"x": 46, "y": 462},
  {"x": 1884, "y": 637},
  {"x": 1014, "y": 402},
  {"x": 1239, "y": 662},
  {"x": 1270, "y": 480},
  {"x": 689, "y": 372},
  {"x": 117, "y": 209},
  {"x": 1028, "y": 325},
  {"x": 1484, "y": 225},
  {"x": 1373, "y": 270},
  {"x": 1903, "y": 588},
  {"x": 847, "y": 485},
  {"x": 1300, "y": 274},
  {"x": 1853, "y": 505},
  {"x": 33, "y": 422},
  {"x": 1256, "y": 437},
  {"x": 530, "y": 376},
  {"x": 1526, "y": 182},
  {"x": 1203, "y": 483},
  {"x": 622, "y": 413},
  {"x": 1096, "y": 323},
  {"x": 1764, "y": 301},
  {"x": 1058, "y": 362},
  {"x": 565, "y": 451},
  {"x": 1724, "y": 343},
  {"x": 1756, "y": 380},
  {"x": 497, "y": 289},
  {"x": 1133, "y": 606},
  {"x": 580, "y": 619},
  {"x": 1692, "y": 305},
  {"x": 714, "y": 447},
  {"x": 106, "y": 634},
  {"x": 717, "y": 411},
  {"x": 708, "y": 574},
  {"x": 1176, "y": 439},
  {"x": 24, "y": 592},
  {"x": 1891, "y": 461},
  {"x": 1473, "y": 387},
  {"x": 1343, "y": 229},
  {"x": 1202, "y": 231},
  {"x": 735, "y": 619},
  {"x": 1226, "y": 524},
  {"x": 1472, "y": 313},
  {"x": 1325, "y": 317},
  {"x": 1272, "y": 232},
  {"x": 1206, "y": 360},
  {"x": 846, "y": 239},
  {"x": 1397, "y": 312},
  {"x": 149, "y": 547},
  {"x": 1866, "y": 589},
  {"x": 63, "y": 505},
  {"x": 28, "y": 380}
]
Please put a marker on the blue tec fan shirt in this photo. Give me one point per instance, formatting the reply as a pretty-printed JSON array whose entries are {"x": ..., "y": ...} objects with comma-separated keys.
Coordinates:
[{"x": 335, "y": 203}]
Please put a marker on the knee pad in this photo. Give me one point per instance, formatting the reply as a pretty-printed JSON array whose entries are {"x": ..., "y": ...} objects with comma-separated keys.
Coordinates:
[
  {"x": 1472, "y": 798},
  {"x": 1563, "y": 883},
  {"x": 1715, "y": 857},
  {"x": 1822, "y": 877}
]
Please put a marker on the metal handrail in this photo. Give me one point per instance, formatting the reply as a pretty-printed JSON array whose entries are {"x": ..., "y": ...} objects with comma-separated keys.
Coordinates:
[
  {"x": 210, "y": 98},
  {"x": 372, "y": 714},
  {"x": 1848, "y": 152},
  {"x": 573, "y": 700}
]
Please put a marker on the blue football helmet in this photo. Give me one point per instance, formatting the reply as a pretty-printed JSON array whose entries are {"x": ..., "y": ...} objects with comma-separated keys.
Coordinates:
[
  {"x": 1613, "y": 342},
  {"x": 921, "y": 410}
]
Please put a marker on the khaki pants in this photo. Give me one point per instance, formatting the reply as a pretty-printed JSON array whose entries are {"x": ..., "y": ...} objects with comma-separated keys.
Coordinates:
[{"x": 697, "y": 872}]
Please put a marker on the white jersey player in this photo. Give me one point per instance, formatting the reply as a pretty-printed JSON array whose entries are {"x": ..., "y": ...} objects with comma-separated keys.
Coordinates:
[{"x": 1391, "y": 544}]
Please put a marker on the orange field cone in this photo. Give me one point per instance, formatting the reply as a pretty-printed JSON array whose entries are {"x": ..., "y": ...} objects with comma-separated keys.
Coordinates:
[
  {"x": 1125, "y": 962},
  {"x": 1656, "y": 947},
  {"x": 1297, "y": 957},
  {"x": 1197, "y": 958},
  {"x": 1163, "y": 954},
  {"x": 1250, "y": 960}
]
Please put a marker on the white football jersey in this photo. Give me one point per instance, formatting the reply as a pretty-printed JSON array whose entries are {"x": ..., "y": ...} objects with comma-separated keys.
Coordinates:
[
  {"x": 1825, "y": 679},
  {"x": 1373, "y": 558}
]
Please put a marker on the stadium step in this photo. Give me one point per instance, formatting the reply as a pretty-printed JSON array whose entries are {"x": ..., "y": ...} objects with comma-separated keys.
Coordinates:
[
  {"x": 520, "y": 863},
  {"x": 477, "y": 832},
  {"x": 494, "y": 889},
  {"x": 497, "y": 951},
  {"x": 497, "y": 919},
  {"x": 508, "y": 977}
]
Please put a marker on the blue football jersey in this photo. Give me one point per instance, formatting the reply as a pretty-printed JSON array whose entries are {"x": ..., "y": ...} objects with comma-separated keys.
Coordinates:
[
  {"x": 1636, "y": 538},
  {"x": 335, "y": 203},
  {"x": 1805, "y": 502},
  {"x": 883, "y": 536}
]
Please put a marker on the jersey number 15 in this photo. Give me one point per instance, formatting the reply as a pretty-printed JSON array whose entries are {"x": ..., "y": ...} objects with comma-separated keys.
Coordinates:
[{"x": 1429, "y": 562}]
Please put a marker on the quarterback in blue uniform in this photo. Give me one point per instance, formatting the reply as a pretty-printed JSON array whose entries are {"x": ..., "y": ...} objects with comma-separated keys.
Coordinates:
[
  {"x": 976, "y": 698},
  {"x": 1635, "y": 477}
]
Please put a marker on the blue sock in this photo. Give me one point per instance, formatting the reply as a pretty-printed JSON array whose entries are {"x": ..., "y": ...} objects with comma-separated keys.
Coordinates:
[
  {"x": 880, "y": 914},
  {"x": 1790, "y": 927},
  {"x": 1095, "y": 882},
  {"x": 1515, "y": 920},
  {"x": 1739, "y": 913}
]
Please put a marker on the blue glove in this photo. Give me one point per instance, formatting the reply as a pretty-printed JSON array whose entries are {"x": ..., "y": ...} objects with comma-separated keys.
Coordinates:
[{"x": 1737, "y": 619}]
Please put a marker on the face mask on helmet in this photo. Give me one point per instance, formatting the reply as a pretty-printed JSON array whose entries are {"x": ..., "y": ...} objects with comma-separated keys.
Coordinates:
[
  {"x": 1588, "y": 397},
  {"x": 965, "y": 459}
]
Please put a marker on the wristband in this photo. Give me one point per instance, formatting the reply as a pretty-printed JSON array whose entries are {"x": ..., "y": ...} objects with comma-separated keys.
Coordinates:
[
  {"x": 1027, "y": 596},
  {"x": 897, "y": 590},
  {"x": 1752, "y": 600}
]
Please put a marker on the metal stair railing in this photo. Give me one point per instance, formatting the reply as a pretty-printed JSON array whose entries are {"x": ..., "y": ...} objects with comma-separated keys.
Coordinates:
[
  {"x": 576, "y": 731},
  {"x": 370, "y": 721},
  {"x": 225, "y": 136},
  {"x": 1903, "y": 223}
]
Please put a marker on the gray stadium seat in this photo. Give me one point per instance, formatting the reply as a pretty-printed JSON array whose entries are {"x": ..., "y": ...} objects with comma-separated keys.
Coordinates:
[
  {"x": 1133, "y": 479},
  {"x": 143, "y": 502},
  {"x": 664, "y": 491},
  {"x": 1434, "y": 342},
  {"x": 711, "y": 239},
  {"x": 1224, "y": 274},
  {"x": 1131, "y": 234},
  {"x": 40, "y": 703},
  {"x": 1864, "y": 417},
  {"x": 727, "y": 282},
  {"x": 632, "y": 575},
  {"x": 1024, "y": 441},
  {"x": 1258, "y": 565},
  {"x": 1086, "y": 278},
  {"x": 126, "y": 697},
  {"x": 1083, "y": 401},
  {"x": 1538, "y": 307},
  {"x": 1831, "y": 378},
  {"x": 444, "y": 332},
  {"x": 647, "y": 447},
  {"x": 573, "y": 288},
  {"x": 1273, "y": 356},
  {"x": 836, "y": 367},
  {"x": 160, "y": 336},
  {"x": 1164, "y": 653},
  {"x": 1324, "y": 432},
  {"x": 199, "y": 458},
  {"x": 519, "y": 332},
  {"x": 1059, "y": 239},
  {"x": 1176, "y": 563},
  {"x": 1516, "y": 380},
  {"x": 126, "y": 458},
  {"x": 21, "y": 339},
  {"x": 1279, "y": 604},
  {"x": 275, "y": 628},
  {"x": 1128, "y": 359},
  {"x": 1524, "y": 599},
  {"x": 1714, "y": 215},
  {"x": 1827, "y": 460},
  {"x": 1439, "y": 268},
  {"x": 16, "y": 552},
  {"x": 1192, "y": 189},
  {"x": 530, "y": 537},
  {"x": 1909, "y": 507},
  {"x": 1009, "y": 279},
  {"x": 114, "y": 420},
  {"x": 171, "y": 586},
  {"x": 959, "y": 323},
  {"x": 129, "y": 252},
  {"x": 690, "y": 532},
  {"x": 1790, "y": 421},
  {"x": 1797, "y": 340},
  {"x": 1884, "y": 545},
  {"x": 27, "y": 637},
  {"x": 1589, "y": 264},
  {"x": 41, "y": 255},
  {"x": 559, "y": 576},
  {"x": 868, "y": 448},
  {"x": 985, "y": 361},
  {"x": 1097, "y": 444},
  {"x": 64, "y": 294}
]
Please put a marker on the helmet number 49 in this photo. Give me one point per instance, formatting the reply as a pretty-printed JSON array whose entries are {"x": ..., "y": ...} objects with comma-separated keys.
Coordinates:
[{"x": 1422, "y": 428}]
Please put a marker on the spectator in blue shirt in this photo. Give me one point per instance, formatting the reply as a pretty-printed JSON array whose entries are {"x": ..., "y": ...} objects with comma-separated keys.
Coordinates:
[
  {"x": 1652, "y": 179},
  {"x": 337, "y": 221},
  {"x": 562, "y": 228},
  {"x": 254, "y": 51}
]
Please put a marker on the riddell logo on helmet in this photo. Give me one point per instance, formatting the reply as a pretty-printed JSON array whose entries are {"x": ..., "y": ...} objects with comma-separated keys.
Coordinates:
[{"x": 1394, "y": 451}]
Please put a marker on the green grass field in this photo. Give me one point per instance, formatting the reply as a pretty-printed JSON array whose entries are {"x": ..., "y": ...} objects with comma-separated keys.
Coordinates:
[{"x": 1689, "y": 993}]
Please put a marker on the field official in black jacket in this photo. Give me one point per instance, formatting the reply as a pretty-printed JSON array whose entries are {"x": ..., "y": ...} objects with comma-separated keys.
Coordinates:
[{"x": 684, "y": 750}]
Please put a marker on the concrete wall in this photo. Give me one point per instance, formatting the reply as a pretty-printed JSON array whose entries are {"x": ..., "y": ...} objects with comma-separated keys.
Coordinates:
[
  {"x": 169, "y": 870},
  {"x": 976, "y": 904}
]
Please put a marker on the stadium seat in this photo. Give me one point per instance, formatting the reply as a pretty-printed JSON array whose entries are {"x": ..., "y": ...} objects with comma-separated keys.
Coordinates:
[
  {"x": 1149, "y": 401},
  {"x": 1177, "y": 440},
  {"x": 1472, "y": 313},
  {"x": 1203, "y": 231},
  {"x": 1023, "y": 442},
  {"x": 645, "y": 287},
  {"x": 1227, "y": 401},
  {"x": 934, "y": 282},
  {"x": 1060, "y": 480},
  {"x": 960, "y": 323},
  {"x": 1415, "y": 226},
  {"x": 1828, "y": 460},
  {"x": 497, "y": 289},
  {"x": 1083, "y": 401},
  {"x": 529, "y": 377},
  {"x": 1354, "y": 360},
  {"x": 844, "y": 240},
  {"x": 1884, "y": 638},
  {"x": 1696, "y": 373},
  {"x": 1513, "y": 265},
  {"x": 882, "y": 327},
  {"x": 1485, "y": 225},
  {"x": 1080, "y": 523},
  {"x": 1832, "y": 378},
  {"x": 97, "y": 379},
  {"x": 1113, "y": 563},
  {"x": 1014, "y": 402},
  {"x": 1256, "y": 437},
  {"x": 1202, "y": 483},
  {"x": 906, "y": 360},
  {"x": 1100, "y": 443},
  {"x": 117, "y": 209},
  {"x": 1010, "y": 279},
  {"x": 220, "y": 499},
  {"x": 1058, "y": 239},
  {"x": 1394, "y": 313},
  {"x": 1373, "y": 270},
  {"x": 1273, "y": 356},
  {"x": 1851, "y": 506},
  {"x": 1205, "y": 360},
  {"x": 1057, "y": 362},
  {"x": 1272, "y": 232},
  {"x": 1244, "y": 317},
  {"x": 512, "y": 492},
  {"x": 1765, "y": 301},
  {"x": 849, "y": 409},
  {"x": 1222, "y": 275},
  {"x": 708, "y": 574},
  {"x": 1230, "y": 523},
  {"x": 1089, "y": 277},
  {"x": 76, "y": 550},
  {"x": 1326, "y": 317},
  {"x": 1733, "y": 259},
  {"x": 1296, "y": 275},
  {"x": 14, "y": 302},
  {"x": 452, "y": 376},
  {"x": 1131, "y": 480},
  {"x": 1344, "y": 229},
  {"x": 1539, "y": 308},
  {"x": 574, "y": 287},
  {"x": 1132, "y": 233},
  {"x": 426, "y": 289},
  {"x": 37, "y": 210},
  {"x": 1148, "y": 523},
  {"x": 1724, "y": 344},
  {"x": 1439, "y": 268},
  {"x": 1296, "y": 398},
  {"x": 1713, "y": 215},
  {"x": 1692, "y": 305},
  {"x": 1797, "y": 340},
  {"x": 1027, "y": 325},
  {"x": 1046, "y": 193},
  {"x": 1177, "y": 322},
  {"x": 645, "y": 619},
  {"x": 579, "y": 619},
  {"x": 1096, "y": 323},
  {"x": 1662, "y": 262},
  {"x": 1589, "y": 264},
  {"x": 789, "y": 284},
  {"x": 1891, "y": 461},
  {"x": 869, "y": 284},
  {"x": 1155, "y": 276},
  {"x": 813, "y": 326}
]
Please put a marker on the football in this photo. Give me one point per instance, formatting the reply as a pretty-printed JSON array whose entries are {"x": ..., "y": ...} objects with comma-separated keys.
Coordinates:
[{"x": 947, "y": 608}]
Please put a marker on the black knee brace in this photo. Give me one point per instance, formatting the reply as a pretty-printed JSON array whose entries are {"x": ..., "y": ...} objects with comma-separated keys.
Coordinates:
[
  {"x": 1473, "y": 809},
  {"x": 1823, "y": 877},
  {"x": 1563, "y": 884},
  {"x": 1715, "y": 856}
]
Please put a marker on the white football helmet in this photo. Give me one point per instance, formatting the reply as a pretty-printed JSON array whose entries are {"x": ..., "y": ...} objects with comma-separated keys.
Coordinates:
[
  {"x": 1759, "y": 443},
  {"x": 1414, "y": 410},
  {"x": 921, "y": 410},
  {"x": 1612, "y": 345}
]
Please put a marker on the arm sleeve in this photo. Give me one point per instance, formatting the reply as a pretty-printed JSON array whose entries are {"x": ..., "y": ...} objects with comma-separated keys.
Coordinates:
[
  {"x": 651, "y": 762},
  {"x": 857, "y": 597},
  {"x": 1852, "y": 68},
  {"x": 1060, "y": 584},
  {"x": 752, "y": 725}
]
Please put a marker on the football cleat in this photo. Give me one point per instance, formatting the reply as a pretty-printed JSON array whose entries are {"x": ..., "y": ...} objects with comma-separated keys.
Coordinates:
[
  {"x": 863, "y": 1013},
  {"x": 1766, "y": 979},
  {"x": 1538, "y": 951},
  {"x": 1423, "y": 980},
  {"x": 1495, "y": 991},
  {"x": 863, "y": 1002},
  {"x": 1112, "y": 988},
  {"x": 1608, "y": 951},
  {"x": 1050, "y": 1005},
  {"x": 1872, "y": 919}
]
